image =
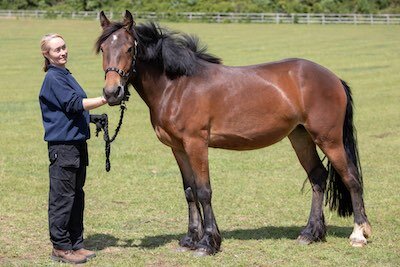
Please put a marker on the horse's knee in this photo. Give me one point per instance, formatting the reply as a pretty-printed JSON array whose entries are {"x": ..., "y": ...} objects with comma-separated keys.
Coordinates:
[{"x": 204, "y": 195}]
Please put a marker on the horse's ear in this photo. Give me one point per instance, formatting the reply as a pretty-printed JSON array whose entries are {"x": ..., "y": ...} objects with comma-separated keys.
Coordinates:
[
  {"x": 128, "y": 20},
  {"x": 104, "y": 22}
]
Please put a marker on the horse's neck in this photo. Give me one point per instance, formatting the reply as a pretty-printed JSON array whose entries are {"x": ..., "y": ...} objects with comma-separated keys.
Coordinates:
[{"x": 150, "y": 85}]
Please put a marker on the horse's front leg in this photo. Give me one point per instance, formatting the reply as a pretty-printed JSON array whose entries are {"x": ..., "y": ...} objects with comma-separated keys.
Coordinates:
[
  {"x": 197, "y": 151},
  {"x": 195, "y": 226}
]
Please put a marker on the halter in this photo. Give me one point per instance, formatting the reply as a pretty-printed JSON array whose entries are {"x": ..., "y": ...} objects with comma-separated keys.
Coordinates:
[{"x": 121, "y": 73}]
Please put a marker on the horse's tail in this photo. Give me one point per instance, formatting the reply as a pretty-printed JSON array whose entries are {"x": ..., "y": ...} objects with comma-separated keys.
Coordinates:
[{"x": 337, "y": 195}]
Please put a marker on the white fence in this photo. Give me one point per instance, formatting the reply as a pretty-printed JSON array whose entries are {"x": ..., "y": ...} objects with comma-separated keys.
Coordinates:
[{"x": 277, "y": 18}]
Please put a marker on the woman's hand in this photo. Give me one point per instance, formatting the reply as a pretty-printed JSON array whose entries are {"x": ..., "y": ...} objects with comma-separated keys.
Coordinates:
[{"x": 92, "y": 103}]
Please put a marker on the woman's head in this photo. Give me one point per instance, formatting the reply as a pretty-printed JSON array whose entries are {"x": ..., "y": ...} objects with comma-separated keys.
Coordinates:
[{"x": 54, "y": 50}]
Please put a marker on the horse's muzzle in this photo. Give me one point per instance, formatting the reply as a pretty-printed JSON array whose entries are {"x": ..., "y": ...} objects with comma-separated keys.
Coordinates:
[{"x": 114, "y": 96}]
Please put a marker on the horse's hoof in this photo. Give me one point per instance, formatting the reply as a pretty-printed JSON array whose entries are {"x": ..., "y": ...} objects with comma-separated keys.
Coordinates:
[
  {"x": 303, "y": 240},
  {"x": 358, "y": 243},
  {"x": 182, "y": 249},
  {"x": 201, "y": 252}
]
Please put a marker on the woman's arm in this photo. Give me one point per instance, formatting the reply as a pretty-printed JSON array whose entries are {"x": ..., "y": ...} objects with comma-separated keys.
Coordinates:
[{"x": 92, "y": 103}]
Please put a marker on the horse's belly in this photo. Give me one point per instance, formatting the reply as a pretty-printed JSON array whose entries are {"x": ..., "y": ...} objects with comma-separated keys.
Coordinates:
[{"x": 249, "y": 139}]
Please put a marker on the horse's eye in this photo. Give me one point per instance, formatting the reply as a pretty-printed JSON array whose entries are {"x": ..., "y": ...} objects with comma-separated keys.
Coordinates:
[
  {"x": 130, "y": 50},
  {"x": 101, "y": 49}
]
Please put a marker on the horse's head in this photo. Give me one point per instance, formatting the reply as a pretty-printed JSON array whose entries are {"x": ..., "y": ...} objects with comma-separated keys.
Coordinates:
[{"x": 118, "y": 46}]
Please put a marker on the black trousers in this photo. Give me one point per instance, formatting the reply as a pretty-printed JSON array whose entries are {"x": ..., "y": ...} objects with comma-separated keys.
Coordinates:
[{"x": 67, "y": 173}]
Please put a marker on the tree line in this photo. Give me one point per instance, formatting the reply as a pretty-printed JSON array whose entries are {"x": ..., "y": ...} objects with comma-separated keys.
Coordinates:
[{"x": 243, "y": 6}]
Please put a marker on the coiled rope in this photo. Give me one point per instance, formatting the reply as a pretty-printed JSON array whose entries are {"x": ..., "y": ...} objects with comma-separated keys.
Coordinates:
[{"x": 101, "y": 122}]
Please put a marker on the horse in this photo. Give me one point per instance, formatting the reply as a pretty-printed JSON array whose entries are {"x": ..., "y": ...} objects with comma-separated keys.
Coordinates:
[{"x": 196, "y": 102}]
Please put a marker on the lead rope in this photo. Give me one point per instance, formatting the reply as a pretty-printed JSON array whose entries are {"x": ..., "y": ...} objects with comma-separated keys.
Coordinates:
[
  {"x": 107, "y": 137},
  {"x": 101, "y": 122}
]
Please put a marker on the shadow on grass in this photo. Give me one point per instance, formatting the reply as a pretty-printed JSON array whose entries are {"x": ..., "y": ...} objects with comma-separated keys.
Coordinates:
[
  {"x": 102, "y": 241},
  {"x": 279, "y": 232}
]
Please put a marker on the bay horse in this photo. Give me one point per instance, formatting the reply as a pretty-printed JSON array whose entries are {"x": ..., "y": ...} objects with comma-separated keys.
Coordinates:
[{"x": 196, "y": 102}]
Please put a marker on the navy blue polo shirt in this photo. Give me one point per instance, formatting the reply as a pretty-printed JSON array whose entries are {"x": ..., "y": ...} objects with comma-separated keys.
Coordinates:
[{"x": 60, "y": 98}]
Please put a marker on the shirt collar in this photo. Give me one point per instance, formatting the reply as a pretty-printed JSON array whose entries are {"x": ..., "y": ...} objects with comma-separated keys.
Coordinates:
[{"x": 62, "y": 70}]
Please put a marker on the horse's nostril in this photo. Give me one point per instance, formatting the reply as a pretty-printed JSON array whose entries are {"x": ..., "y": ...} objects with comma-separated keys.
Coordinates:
[{"x": 118, "y": 91}]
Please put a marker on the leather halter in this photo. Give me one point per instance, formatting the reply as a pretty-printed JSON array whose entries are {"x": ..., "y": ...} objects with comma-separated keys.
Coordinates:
[{"x": 121, "y": 73}]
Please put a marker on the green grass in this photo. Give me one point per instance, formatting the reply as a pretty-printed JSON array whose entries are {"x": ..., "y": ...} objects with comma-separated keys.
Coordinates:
[{"x": 136, "y": 214}]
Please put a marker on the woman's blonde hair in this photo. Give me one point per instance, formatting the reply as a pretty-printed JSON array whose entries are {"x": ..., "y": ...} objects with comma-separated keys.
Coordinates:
[{"x": 45, "y": 48}]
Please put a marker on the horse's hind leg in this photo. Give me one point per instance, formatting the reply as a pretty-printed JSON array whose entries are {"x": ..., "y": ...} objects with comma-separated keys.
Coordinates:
[
  {"x": 307, "y": 154},
  {"x": 195, "y": 226},
  {"x": 337, "y": 155}
]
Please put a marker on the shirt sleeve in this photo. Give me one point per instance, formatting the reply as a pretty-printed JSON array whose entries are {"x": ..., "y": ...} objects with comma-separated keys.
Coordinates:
[{"x": 68, "y": 98}]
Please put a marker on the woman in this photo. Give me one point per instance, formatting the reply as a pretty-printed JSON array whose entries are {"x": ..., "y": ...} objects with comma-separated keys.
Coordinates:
[{"x": 64, "y": 107}]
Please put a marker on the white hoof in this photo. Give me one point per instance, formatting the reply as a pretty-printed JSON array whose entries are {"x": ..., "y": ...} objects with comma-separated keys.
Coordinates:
[
  {"x": 358, "y": 243},
  {"x": 358, "y": 236}
]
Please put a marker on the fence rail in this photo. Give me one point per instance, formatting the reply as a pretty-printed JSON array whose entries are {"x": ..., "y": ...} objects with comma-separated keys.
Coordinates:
[{"x": 277, "y": 18}]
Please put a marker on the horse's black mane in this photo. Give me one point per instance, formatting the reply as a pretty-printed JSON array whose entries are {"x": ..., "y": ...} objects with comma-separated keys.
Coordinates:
[{"x": 176, "y": 53}]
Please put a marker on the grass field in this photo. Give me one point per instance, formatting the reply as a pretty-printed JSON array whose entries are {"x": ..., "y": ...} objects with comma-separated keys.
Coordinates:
[{"x": 136, "y": 214}]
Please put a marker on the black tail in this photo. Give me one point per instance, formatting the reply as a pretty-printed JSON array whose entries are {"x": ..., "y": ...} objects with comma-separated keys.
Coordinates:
[{"x": 337, "y": 194}]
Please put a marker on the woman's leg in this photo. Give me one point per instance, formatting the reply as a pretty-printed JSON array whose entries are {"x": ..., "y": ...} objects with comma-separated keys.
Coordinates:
[{"x": 61, "y": 196}]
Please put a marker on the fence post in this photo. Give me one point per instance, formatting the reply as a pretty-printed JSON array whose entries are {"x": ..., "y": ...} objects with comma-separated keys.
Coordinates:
[
  {"x": 277, "y": 18},
  {"x": 371, "y": 18},
  {"x": 308, "y": 18},
  {"x": 323, "y": 18}
]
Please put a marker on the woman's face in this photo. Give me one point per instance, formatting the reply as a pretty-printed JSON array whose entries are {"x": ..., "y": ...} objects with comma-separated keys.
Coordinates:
[{"x": 58, "y": 52}]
